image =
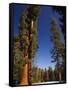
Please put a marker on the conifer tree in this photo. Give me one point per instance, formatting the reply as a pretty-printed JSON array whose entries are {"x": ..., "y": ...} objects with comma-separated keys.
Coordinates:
[
  {"x": 58, "y": 46},
  {"x": 28, "y": 35}
]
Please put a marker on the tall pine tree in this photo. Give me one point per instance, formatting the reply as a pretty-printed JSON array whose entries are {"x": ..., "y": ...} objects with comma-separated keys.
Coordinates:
[
  {"x": 58, "y": 46},
  {"x": 28, "y": 37}
]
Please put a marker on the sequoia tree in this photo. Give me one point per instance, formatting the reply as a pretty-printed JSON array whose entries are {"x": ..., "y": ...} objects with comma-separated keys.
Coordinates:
[
  {"x": 62, "y": 12},
  {"x": 58, "y": 46},
  {"x": 28, "y": 39}
]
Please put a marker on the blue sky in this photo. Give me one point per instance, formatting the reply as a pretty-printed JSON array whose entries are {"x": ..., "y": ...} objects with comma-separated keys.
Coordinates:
[{"x": 43, "y": 57}]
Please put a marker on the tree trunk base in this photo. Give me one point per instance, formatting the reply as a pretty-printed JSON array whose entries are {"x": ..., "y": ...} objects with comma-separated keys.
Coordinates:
[{"x": 24, "y": 80}]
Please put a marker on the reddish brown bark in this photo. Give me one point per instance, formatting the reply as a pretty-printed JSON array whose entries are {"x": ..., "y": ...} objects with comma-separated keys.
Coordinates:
[
  {"x": 26, "y": 72},
  {"x": 24, "y": 79}
]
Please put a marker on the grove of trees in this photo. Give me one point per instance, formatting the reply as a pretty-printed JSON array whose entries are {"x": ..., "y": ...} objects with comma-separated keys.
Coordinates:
[{"x": 25, "y": 46}]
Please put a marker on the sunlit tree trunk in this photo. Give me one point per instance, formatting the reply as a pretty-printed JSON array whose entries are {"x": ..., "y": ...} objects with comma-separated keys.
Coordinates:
[
  {"x": 30, "y": 52},
  {"x": 24, "y": 73},
  {"x": 24, "y": 79}
]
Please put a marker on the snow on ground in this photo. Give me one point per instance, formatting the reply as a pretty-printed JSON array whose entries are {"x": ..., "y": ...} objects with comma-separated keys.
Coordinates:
[{"x": 50, "y": 82}]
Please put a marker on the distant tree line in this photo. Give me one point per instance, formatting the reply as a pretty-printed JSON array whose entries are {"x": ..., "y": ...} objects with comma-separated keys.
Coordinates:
[{"x": 45, "y": 75}]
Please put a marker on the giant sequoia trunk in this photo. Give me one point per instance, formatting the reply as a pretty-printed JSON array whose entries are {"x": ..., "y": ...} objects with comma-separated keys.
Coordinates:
[
  {"x": 30, "y": 52},
  {"x": 26, "y": 71},
  {"x": 24, "y": 79}
]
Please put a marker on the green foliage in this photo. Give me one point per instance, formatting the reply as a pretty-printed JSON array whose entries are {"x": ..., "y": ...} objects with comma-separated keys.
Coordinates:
[
  {"x": 28, "y": 36},
  {"x": 33, "y": 11},
  {"x": 18, "y": 61},
  {"x": 62, "y": 12},
  {"x": 58, "y": 50}
]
